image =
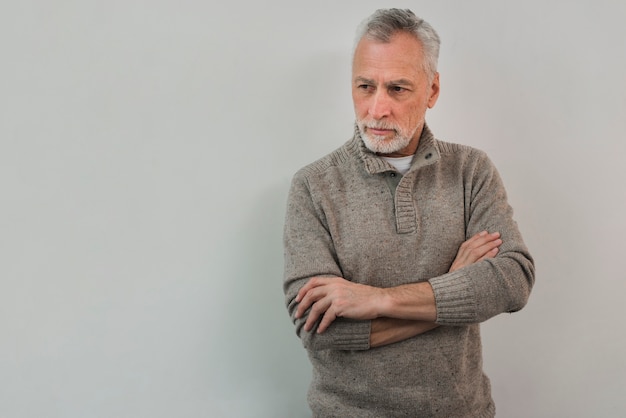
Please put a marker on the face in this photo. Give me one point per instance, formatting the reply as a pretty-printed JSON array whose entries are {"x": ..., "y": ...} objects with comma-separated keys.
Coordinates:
[{"x": 391, "y": 93}]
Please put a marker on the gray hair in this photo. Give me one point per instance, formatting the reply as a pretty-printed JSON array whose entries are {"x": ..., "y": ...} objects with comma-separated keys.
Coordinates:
[{"x": 384, "y": 23}]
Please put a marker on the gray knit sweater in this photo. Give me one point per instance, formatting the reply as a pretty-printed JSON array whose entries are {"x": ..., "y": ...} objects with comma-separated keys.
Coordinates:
[{"x": 349, "y": 216}]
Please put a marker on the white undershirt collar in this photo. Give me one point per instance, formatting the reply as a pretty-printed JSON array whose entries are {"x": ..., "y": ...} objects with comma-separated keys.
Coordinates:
[{"x": 402, "y": 164}]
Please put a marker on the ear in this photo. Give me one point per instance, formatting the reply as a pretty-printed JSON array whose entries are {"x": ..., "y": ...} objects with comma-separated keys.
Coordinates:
[{"x": 434, "y": 91}]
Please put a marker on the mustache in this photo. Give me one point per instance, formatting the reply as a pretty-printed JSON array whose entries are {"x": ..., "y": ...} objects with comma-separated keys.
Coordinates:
[{"x": 374, "y": 124}]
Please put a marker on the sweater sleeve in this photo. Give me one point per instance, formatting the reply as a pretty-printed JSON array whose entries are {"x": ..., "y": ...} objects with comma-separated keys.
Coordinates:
[
  {"x": 309, "y": 252},
  {"x": 502, "y": 284}
]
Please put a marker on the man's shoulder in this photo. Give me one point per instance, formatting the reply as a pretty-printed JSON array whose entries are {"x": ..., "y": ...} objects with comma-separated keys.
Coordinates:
[
  {"x": 340, "y": 157},
  {"x": 470, "y": 160},
  {"x": 460, "y": 150}
]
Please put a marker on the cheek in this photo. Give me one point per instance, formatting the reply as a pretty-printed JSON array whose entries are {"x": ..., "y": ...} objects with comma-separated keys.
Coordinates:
[
  {"x": 410, "y": 117},
  {"x": 417, "y": 111},
  {"x": 408, "y": 114},
  {"x": 360, "y": 107}
]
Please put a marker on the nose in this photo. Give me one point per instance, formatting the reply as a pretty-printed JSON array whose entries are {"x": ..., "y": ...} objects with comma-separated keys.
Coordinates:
[{"x": 380, "y": 105}]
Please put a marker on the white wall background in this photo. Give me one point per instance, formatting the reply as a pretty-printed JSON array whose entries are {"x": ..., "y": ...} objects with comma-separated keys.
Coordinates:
[{"x": 146, "y": 149}]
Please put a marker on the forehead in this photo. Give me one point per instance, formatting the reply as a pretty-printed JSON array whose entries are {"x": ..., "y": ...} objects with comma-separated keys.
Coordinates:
[{"x": 400, "y": 57}]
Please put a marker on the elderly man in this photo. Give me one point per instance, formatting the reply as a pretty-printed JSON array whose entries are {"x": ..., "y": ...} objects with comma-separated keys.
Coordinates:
[{"x": 397, "y": 245}]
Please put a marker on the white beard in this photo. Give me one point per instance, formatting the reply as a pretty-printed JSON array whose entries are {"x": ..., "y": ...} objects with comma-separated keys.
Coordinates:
[{"x": 380, "y": 144}]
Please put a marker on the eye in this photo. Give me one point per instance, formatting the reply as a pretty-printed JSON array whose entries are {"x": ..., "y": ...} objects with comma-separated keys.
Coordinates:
[
  {"x": 365, "y": 87},
  {"x": 397, "y": 89}
]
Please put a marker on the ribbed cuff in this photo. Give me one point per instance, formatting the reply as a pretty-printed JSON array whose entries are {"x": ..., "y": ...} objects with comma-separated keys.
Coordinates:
[
  {"x": 455, "y": 298},
  {"x": 351, "y": 334}
]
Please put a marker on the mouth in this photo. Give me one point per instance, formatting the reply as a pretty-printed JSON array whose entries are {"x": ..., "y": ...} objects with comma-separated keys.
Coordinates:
[{"x": 379, "y": 131}]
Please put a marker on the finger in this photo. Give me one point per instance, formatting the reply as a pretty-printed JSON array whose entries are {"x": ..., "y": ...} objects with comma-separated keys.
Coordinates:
[
  {"x": 311, "y": 297},
  {"x": 470, "y": 242},
  {"x": 492, "y": 253},
  {"x": 475, "y": 248},
  {"x": 488, "y": 246},
  {"x": 478, "y": 249},
  {"x": 482, "y": 238},
  {"x": 478, "y": 236},
  {"x": 313, "y": 282},
  {"x": 327, "y": 319},
  {"x": 476, "y": 254},
  {"x": 320, "y": 307},
  {"x": 476, "y": 244}
]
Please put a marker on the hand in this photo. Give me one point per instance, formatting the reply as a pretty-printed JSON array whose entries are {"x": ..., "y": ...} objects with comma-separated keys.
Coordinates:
[
  {"x": 479, "y": 247},
  {"x": 335, "y": 297}
]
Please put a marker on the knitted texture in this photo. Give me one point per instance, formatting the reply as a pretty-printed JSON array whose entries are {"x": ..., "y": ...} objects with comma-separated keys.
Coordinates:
[{"x": 343, "y": 219}]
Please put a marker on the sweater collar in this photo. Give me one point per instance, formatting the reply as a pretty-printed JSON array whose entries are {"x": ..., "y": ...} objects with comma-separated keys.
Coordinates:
[{"x": 426, "y": 153}]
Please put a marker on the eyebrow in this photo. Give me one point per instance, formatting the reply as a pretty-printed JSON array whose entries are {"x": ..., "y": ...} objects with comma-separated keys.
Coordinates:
[{"x": 399, "y": 82}]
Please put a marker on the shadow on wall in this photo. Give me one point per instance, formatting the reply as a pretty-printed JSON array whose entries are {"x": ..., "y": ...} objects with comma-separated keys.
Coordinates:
[
  {"x": 263, "y": 358},
  {"x": 263, "y": 362}
]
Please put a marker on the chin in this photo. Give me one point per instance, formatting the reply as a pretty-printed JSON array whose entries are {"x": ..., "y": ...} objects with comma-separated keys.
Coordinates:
[{"x": 381, "y": 145}]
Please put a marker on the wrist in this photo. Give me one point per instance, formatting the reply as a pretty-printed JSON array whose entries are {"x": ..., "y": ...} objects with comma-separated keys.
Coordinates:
[
  {"x": 412, "y": 301},
  {"x": 386, "y": 303}
]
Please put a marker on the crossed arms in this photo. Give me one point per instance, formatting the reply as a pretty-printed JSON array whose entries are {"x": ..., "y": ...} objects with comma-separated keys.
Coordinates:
[
  {"x": 393, "y": 291},
  {"x": 397, "y": 313}
]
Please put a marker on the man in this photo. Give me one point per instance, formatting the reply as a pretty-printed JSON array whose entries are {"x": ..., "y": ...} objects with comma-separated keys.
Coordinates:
[{"x": 397, "y": 245}]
